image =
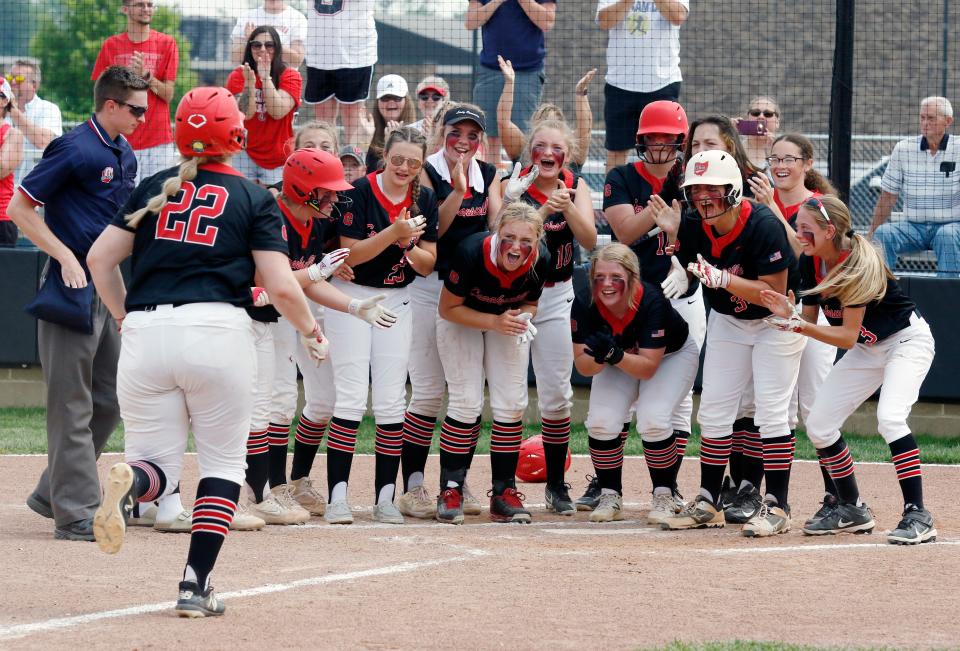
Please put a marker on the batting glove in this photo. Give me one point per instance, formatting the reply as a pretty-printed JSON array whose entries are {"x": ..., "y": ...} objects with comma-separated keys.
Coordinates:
[
  {"x": 316, "y": 344},
  {"x": 517, "y": 184},
  {"x": 792, "y": 323},
  {"x": 371, "y": 311},
  {"x": 328, "y": 265},
  {"x": 260, "y": 296},
  {"x": 676, "y": 283},
  {"x": 531, "y": 332},
  {"x": 711, "y": 276},
  {"x": 603, "y": 348}
]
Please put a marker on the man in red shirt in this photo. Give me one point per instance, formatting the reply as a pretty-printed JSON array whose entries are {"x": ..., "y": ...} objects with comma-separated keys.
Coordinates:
[{"x": 153, "y": 56}]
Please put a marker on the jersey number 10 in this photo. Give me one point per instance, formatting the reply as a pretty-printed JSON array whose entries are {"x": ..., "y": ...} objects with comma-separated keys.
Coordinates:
[{"x": 172, "y": 226}]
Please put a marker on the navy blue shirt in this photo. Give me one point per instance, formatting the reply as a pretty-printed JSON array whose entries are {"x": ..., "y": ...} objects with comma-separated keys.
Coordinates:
[
  {"x": 82, "y": 181},
  {"x": 511, "y": 34}
]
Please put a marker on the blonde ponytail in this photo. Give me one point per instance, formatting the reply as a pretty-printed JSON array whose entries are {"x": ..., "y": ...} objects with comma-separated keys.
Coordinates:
[
  {"x": 187, "y": 172},
  {"x": 860, "y": 279}
]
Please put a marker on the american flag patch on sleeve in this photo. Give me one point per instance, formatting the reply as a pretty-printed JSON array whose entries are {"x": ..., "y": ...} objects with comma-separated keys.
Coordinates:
[
  {"x": 776, "y": 256},
  {"x": 658, "y": 333}
]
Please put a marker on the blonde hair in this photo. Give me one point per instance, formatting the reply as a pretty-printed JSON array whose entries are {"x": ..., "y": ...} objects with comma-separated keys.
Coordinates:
[
  {"x": 519, "y": 212},
  {"x": 862, "y": 277},
  {"x": 318, "y": 125},
  {"x": 565, "y": 131},
  {"x": 414, "y": 137},
  {"x": 623, "y": 256},
  {"x": 547, "y": 111},
  {"x": 187, "y": 172}
]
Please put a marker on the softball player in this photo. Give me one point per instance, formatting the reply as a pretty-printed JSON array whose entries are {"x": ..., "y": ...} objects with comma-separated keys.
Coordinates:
[
  {"x": 563, "y": 200},
  {"x": 661, "y": 133},
  {"x": 484, "y": 331},
  {"x": 469, "y": 197},
  {"x": 387, "y": 250},
  {"x": 737, "y": 249},
  {"x": 641, "y": 355},
  {"x": 187, "y": 360},
  {"x": 889, "y": 347}
]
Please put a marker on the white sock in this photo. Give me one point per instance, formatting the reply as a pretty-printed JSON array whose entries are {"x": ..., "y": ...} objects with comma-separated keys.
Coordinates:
[
  {"x": 190, "y": 575},
  {"x": 339, "y": 492},
  {"x": 386, "y": 494},
  {"x": 705, "y": 493},
  {"x": 662, "y": 490},
  {"x": 452, "y": 484},
  {"x": 745, "y": 485},
  {"x": 608, "y": 491},
  {"x": 169, "y": 507},
  {"x": 415, "y": 480}
]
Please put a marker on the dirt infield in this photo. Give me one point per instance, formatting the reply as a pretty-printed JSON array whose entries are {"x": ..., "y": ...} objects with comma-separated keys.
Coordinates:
[{"x": 558, "y": 583}]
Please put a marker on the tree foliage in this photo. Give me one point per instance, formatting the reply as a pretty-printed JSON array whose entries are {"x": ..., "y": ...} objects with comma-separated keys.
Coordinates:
[{"x": 69, "y": 40}]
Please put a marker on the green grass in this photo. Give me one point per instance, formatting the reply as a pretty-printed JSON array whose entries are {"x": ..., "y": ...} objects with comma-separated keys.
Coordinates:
[{"x": 22, "y": 431}]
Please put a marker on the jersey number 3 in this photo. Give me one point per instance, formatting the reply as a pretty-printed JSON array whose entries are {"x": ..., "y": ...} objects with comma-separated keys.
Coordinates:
[{"x": 172, "y": 226}]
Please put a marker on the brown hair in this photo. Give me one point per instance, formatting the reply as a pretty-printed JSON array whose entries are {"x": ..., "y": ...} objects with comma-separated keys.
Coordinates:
[
  {"x": 812, "y": 180},
  {"x": 318, "y": 125},
  {"x": 407, "y": 116},
  {"x": 414, "y": 137},
  {"x": 623, "y": 256},
  {"x": 116, "y": 83},
  {"x": 730, "y": 137}
]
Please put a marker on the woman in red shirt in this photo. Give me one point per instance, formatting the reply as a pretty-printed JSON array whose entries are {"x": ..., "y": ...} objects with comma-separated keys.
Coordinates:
[
  {"x": 11, "y": 153},
  {"x": 268, "y": 93}
]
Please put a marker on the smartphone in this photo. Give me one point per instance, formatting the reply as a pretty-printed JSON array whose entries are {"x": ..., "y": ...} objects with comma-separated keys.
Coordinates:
[{"x": 752, "y": 127}]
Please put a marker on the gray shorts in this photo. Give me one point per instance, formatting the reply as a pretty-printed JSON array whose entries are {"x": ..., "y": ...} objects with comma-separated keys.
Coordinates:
[{"x": 527, "y": 91}]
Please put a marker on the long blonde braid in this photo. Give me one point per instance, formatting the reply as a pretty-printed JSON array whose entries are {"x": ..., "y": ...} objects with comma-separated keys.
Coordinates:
[{"x": 187, "y": 172}]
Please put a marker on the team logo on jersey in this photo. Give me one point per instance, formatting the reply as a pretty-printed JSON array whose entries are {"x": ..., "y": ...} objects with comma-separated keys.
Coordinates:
[
  {"x": 776, "y": 256},
  {"x": 197, "y": 120},
  {"x": 283, "y": 232},
  {"x": 700, "y": 168},
  {"x": 607, "y": 190},
  {"x": 454, "y": 277},
  {"x": 106, "y": 175},
  {"x": 348, "y": 219}
]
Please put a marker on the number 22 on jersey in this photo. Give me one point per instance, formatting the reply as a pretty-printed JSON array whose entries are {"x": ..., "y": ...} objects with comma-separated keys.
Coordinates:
[{"x": 180, "y": 219}]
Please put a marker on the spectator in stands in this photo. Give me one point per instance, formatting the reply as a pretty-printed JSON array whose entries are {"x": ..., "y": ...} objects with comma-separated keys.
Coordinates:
[
  {"x": 290, "y": 24},
  {"x": 433, "y": 95},
  {"x": 393, "y": 110},
  {"x": 37, "y": 119},
  {"x": 353, "y": 164},
  {"x": 11, "y": 152},
  {"x": 763, "y": 110},
  {"x": 643, "y": 64},
  {"x": 341, "y": 53},
  {"x": 153, "y": 56},
  {"x": 924, "y": 171},
  {"x": 268, "y": 92},
  {"x": 515, "y": 30}
]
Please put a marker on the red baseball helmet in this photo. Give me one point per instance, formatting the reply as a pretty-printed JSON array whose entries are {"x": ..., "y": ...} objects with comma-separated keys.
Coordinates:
[
  {"x": 307, "y": 170},
  {"x": 532, "y": 466},
  {"x": 208, "y": 123},
  {"x": 663, "y": 116}
]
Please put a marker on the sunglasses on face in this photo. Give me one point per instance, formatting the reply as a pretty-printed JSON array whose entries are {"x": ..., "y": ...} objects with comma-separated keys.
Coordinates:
[
  {"x": 135, "y": 111},
  {"x": 140, "y": 5},
  {"x": 390, "y": 98},
  {"x": 259, "y": 45},
  {"x": 430, "y": 97},
  {"x": 15, "y": 79},
  {"x": 413, "y": 164},
  {"x": 815, "y": 204},
  {"x": 786, "y": 160},
  {"x": 767, "y": 114}
]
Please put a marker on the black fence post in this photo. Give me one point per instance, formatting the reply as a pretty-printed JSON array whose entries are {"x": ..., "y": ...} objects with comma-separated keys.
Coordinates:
[{"x": 841, "y": 99}]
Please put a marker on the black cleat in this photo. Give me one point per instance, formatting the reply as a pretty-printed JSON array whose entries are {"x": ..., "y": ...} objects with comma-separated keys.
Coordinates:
[
  {"x": 840, "y": 518},
  {"x": 558, "y": 499},
  {"x": 827, "y": 506},
  {"x": 728, "y": 493},
  {"x": 450, "y": 506},
  {"x": 745, "y": 505},
  {"x": 508, "y": 507},
  {"x": 591, "y": 497},
  {"x": 193, "y": 603},
  {"x": 915, "y": 527}
]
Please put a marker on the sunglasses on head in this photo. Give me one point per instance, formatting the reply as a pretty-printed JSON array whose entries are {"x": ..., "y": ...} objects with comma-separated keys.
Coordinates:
[
  {"x": 259, "y": 45},
  {"x": 135, "y": 111},
  {"x": 767, "y": 114},
  {"x": 427, "y": 97},
  {"x": 14, "y": 79},
  {"x": 815, "y": 204},
  {"x": 413, "y": 164}
]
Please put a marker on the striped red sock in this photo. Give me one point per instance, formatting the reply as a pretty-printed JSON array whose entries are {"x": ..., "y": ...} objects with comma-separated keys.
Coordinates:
[
  {"x": 607, "y": 458},
  {"x": 713, "y": 461},
  {"x": 213, "y": 512},
  {"x": 556, "y": 442},
  {"x": 505, "y": 441},
  {"x": 305, "y": 446},
  {"x": 906, "y": 460}
]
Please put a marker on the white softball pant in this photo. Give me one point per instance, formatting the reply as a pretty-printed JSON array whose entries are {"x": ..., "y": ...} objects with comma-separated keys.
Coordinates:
[
  {"x": 613, "y": 394},
  {"x": 693, "y": 312},
  {"x": 469, "y": 355},
  {"x": 189, "y": 367},
  {"x": 263, "y": 378},
  {"x": 361, "y": 353},
  {"x": 552, "y": 351},
  {"x": 815, "y": 365},
  {"x": 740, "y": 351},
  {"x": 897, "y": 365},
  {"x": 426, "y": 371}
]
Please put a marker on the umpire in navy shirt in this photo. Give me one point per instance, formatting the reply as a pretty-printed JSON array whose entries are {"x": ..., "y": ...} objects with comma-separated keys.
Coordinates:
[{"x": 83, "y": 179}]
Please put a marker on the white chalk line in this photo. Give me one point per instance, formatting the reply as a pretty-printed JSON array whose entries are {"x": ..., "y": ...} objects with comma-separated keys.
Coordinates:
[
  {"x": 60, "y": 623},
  {"x": 506, "y": 526}
]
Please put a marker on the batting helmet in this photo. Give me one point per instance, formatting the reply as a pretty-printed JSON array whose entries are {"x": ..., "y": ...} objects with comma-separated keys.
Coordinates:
[
  {"x": 662, "y": 116},
  {"x": 307, "y": 170},
  {"x": 208, "y": 123},
  {"x": 714, "y": 167},
  {"x": 532, "y": 466}
]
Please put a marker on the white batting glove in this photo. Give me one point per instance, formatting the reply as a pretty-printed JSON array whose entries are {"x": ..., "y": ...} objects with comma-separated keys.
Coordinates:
[
  {"x": 531, "y": 332},
  {"x": 676, "y": 283},
  {"x": 417, "y": 222},
  {"x": 711, "y": 276},
  {"x": 316, "y": 344},
  {"x": 328, "y": 265},
  {"x": 260, "y": 297},
  {"x": 792, "y": 323},
  {"x": 372, "y": 311},
  {"x": 517, "y": 184}
]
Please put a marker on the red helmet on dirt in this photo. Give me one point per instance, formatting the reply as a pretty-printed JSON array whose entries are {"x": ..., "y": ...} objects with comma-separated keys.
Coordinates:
[
  {"x": 307, "y": 170},
  {"x": 532, "y": 466},
  {"x": 208, "y": 123},
  {"x": 662, "y": 116}
]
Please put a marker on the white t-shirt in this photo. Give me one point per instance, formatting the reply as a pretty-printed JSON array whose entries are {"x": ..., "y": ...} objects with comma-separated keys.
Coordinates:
[
  {"x": 290, "y": 24},
  {"x": 643, "y": 53},
  {"x": 341, "y": 34},
  {"x": 45, "y": 115}
]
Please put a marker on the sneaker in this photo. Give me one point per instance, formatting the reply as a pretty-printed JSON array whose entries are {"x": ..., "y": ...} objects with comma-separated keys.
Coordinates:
[
  {"x": 662, "y": 507},
  {"x": 273, "y": 510},
  {"x": 191, "y": 602},
  {"x": 450, "y": 507},
  {"x": 728, "y": 493},
  {"x": 745, "y": 505},
  {"x": 110, "y": 520},
  {"x": 183, "y": 523},
  {"x": 839, "y": 518},
  {"x": 284, "y": 493},
  {"x": 558, "y": 499},
  {"x": 827, "y": 507},
  {"x": 508, "y": 507},
  {"x": 40, "y": 506},
  {"x": 417, "y": 503},
  {"x": 243, "y": 520},
  {"x": 471, "y": 504},
  {"x": 698, "y": 514},
  {"x": 609, "y": 508},
  {"x": 770, "y": 520},
  {"x": 80, "y": 530},
  {"x": 143, "y": 515},
  {"x": 915, "y": 527},
  {"x": 339, "y": 512},
  {"x": 307, "y": 496},
  {"x": 387, "y": 513},
  {"x": 591, "y": 497}
]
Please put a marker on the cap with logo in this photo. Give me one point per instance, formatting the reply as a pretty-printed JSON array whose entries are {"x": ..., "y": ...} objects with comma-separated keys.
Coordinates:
[
  {"x": 394, "y": 85},
  {"x": 462, "y": 114}
]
